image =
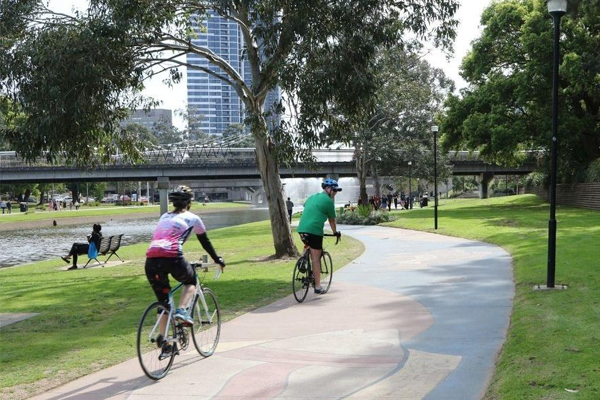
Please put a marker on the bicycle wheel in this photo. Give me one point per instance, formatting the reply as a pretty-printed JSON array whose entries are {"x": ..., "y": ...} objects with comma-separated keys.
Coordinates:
[
  {"x": 207, "y": 323},
  {"x": 300, "y": 281},
  {"x": 150, "y": 341},
  {"x": 326, "y": 271}
]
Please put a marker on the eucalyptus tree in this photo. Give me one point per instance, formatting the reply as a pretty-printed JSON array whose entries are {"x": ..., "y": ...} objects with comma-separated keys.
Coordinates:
[
  {"x": 395, "y": 128},
  {"x": 77, "y": 75},
  {"x": 507, "y": 107}
]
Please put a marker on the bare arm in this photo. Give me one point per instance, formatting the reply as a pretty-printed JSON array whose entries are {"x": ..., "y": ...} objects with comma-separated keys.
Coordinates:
[{"x": 332, "y": 224}]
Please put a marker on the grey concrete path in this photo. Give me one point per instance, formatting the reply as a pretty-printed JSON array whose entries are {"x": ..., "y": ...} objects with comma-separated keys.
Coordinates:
[{"x": 417, "y": 316}]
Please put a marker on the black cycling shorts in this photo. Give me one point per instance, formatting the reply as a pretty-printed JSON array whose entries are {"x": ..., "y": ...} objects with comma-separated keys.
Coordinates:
[
  {"x": 158, "y": 270},
  {"x": 312, "y": 241}
]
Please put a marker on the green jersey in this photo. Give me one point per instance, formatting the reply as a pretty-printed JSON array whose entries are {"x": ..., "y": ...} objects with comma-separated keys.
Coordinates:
[{"x": 317, "y": 209}]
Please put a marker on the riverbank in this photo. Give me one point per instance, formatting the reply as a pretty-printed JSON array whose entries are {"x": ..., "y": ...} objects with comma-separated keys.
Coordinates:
[
  {"x": 552, "y": 348},
  {"x": 11, "y": 222},
  {"x": 87, "y": 318}
]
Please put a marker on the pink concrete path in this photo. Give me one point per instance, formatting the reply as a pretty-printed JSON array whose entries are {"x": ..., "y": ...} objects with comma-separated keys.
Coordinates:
[{"x": 349, "y": 343}]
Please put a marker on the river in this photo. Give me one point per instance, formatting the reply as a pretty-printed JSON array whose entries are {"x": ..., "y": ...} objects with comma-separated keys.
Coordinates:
[{"x": 25, "y": 246}]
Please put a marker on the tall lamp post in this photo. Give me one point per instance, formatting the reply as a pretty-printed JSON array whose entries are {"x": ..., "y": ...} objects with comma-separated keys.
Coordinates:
[
  {"x": 409, "y": 188},
  {"x": 434, "y": 129},
  {"x": 556, "y": 8}
]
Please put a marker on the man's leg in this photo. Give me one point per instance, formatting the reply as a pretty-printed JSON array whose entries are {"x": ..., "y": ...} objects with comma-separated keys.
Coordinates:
[{"x": 316, "y": 257}]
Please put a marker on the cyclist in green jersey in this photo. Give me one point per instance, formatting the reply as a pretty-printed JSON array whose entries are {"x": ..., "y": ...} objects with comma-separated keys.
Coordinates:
[{"x": 318, "y": 208}]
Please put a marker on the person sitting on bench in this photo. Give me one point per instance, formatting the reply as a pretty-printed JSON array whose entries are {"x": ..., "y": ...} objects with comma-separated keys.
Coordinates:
[{"x": 83, "y": 248}]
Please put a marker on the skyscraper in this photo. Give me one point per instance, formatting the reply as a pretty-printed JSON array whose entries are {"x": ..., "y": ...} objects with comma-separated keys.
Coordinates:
[{"x": 213, "y": 99}]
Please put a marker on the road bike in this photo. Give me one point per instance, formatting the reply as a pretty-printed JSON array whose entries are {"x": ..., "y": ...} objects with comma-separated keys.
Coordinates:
[
  {"x": 152, "y": 343},
  {"x": 303, "y": 278}
]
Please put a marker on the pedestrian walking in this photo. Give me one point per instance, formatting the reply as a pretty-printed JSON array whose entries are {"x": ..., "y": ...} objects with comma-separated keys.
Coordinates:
[
  {"x": 389, "y": 201},
  {"x": 396, "y": 201},
  {"x": 3, "y": 206},
  {"x": 290, "y": 208},
  {"x": 9, "y": 206}
]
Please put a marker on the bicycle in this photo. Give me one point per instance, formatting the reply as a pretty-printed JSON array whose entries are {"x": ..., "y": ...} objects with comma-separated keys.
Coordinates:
[
  {"x": 303, "y": 279},
  {"x": 205, "y": 332}
]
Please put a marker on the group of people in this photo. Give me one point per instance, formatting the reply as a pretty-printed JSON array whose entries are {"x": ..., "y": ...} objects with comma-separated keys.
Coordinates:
[
  {"x": 6, "y": 206},
  {"x": 386, "y": 201},
  {"x": 57, "y": 205},
  {"x": 165, "y": 257}
]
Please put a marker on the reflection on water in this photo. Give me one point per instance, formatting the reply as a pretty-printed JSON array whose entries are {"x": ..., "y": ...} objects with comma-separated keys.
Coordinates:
[{"x": 19, "y": 247}]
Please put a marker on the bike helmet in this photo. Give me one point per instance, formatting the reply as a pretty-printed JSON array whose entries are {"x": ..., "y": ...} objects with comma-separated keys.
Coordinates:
[
  {"x": 181, "y": 196},
  {"x": 332, "y": 183}
]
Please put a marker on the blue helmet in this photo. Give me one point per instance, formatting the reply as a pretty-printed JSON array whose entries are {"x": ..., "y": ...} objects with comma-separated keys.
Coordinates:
[{"x": 332, "y": 183}]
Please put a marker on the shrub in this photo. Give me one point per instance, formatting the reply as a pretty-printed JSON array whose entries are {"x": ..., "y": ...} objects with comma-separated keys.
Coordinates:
[
  {"x": 372, "y": 218},
  {"x": 364, "y": 210},
  {"x": 592, "y": 174},
  {"x": 536, "y": 179}
]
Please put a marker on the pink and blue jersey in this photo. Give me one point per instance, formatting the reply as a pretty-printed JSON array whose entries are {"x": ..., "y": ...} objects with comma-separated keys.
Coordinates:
[{"x": 171, "y": 233}]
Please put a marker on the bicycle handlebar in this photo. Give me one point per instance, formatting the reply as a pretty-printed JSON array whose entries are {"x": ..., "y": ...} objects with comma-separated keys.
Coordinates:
[
  {"x": 204, "y": 267},
  {"x": 331, "y": 234}
]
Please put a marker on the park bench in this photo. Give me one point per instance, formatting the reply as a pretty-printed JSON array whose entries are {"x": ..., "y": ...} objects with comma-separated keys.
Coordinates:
[
  {"x": 108, "y": 245},
  {"x": 104, "y": 248},
  {"x": 113, "y": 246}
]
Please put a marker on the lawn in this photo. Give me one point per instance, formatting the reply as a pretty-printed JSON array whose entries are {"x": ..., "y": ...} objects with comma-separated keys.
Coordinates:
[
  {"x": 88, "y": 318},
  {"x": 553, "y": 345},
  {"x": 109, "y": 210}
]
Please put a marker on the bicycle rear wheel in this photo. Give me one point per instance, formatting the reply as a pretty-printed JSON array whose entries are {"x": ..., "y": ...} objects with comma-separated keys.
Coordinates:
[
  {"x": 207, "y": 323},
  {"x": 150, "y": 342},
  {"x": 326, "y": 271},
  {"x": 300, "y": 280}
]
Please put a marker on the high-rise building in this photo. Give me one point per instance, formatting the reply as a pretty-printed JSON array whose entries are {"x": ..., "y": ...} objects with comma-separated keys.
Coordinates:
[
  {"x": 213, "y": 100},
  {"x": 150, "y": 118}
]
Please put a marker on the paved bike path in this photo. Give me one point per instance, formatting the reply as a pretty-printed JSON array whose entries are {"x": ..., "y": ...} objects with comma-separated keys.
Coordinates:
[{"x": 417, "y": 316}]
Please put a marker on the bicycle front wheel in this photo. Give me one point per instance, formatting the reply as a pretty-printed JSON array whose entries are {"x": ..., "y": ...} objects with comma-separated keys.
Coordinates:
[
  {"x": 326, "y": 271},
  {"x": 150, "y": 342},
  {"x": 300, "y": 280},
  {"x": 207, "y": 323}
]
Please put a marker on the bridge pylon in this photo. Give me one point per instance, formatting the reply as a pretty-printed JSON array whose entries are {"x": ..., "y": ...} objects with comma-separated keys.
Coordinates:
[
  {"x": 484, "y": 180},
  {"x": 163, "y": 191}
]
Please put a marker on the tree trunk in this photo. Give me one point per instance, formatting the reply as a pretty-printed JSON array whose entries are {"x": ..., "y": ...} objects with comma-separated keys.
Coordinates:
[
  {"x": 376, "y": 180},
  {"x": 362, "y": 167},
  {"x": 269, "y": 174}
]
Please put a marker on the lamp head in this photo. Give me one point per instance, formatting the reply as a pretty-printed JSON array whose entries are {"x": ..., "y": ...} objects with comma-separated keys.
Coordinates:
[
  {"x": 557, "y": 7},
  {"x": 434, "y": 128},
  {"x": 410, "y": 163}
]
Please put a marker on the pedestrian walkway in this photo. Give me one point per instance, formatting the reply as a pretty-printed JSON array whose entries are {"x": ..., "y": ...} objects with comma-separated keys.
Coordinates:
[{"x": 417, "y": 316}]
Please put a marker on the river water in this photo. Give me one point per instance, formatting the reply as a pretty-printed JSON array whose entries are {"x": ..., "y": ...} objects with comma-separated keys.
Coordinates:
[{"x": 25, "y": 246}]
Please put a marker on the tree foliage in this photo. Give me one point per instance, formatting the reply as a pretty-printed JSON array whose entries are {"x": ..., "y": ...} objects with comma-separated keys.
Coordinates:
[
  {"x": 396, "y": 128},
  {"x": 77, "y": 76},
  {"x": 507, "y": 107}
]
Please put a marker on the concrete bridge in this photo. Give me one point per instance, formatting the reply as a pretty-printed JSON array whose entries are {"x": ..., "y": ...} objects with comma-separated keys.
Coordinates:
[{"x": 206, "y": 163}]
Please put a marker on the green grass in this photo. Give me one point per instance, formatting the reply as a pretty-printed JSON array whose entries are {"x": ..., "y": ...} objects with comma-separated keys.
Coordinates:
[
  {"x": 88, "y": 318},
  {"x": 109, "y": 210},
  {"x": 554, "y": 340}
]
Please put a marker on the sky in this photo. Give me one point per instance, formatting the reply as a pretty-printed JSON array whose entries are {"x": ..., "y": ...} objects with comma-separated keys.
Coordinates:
[{"x": 175, "y": 98}]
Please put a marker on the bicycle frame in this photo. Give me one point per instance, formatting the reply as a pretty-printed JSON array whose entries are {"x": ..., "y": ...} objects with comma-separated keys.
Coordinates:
[{"x": 171, "y": 303}]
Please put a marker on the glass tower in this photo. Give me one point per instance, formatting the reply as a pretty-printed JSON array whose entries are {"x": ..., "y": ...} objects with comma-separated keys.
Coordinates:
[{"x": 209, "y": 97}]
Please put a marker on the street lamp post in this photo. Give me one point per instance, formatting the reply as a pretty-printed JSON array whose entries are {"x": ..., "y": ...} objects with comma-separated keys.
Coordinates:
[
  {"x": 409, "y": 188},
  {"x": 434, "y": 129},
  {"x": 556, "y": 8}
]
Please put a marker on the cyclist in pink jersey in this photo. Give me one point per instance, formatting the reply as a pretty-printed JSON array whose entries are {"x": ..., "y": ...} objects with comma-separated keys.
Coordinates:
[{"x": 165, "y": 253}]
